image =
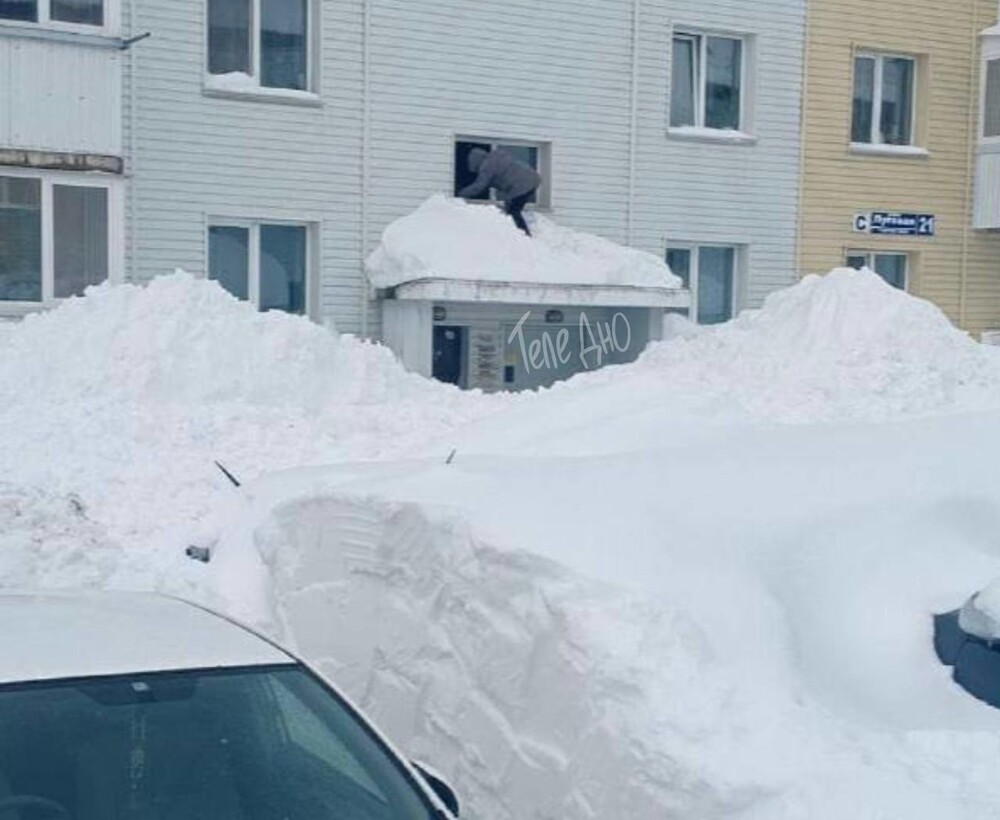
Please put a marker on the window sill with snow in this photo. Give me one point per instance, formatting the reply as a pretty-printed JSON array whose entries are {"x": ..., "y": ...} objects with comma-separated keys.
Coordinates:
[
  {"x": 717, "y": 135},
  {"x": 882, "y": 150},
  {"x": 239, "y": 86}
]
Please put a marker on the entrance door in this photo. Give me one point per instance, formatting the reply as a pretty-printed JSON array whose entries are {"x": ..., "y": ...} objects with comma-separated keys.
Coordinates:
[{"x": 449, "y": 347}]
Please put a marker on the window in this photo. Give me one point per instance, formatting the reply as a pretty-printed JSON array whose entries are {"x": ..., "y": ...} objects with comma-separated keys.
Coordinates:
[
  {"x": 80, "y": 12},
  {"x": 535, "y": 154},
  {"x": 265, "y": 742},
  {"x": 706, "y": 87},
  {"x": 709, "y": 272},
  {"x": 75, "y": 218},
  {"x": 265, "y": 263},
  {"x": 991, "y": 101},
  {"x": 893, "y": 267},
  {"x": 265, "y": 41},
  {"x": 884, "y": 91}
]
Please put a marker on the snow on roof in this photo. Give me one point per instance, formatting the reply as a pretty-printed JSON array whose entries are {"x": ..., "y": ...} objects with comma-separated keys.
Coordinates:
[
  {"x": 451, "y": 239},
  {"x": 63, "y": 635}
]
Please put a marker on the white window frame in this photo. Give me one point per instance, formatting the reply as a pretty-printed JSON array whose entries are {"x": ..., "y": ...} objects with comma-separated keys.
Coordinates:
[
  {"x": 876, "y": 132},
  {"x": 983, "y": 139},
  {"x": 310, "y": 94},
  {"x": 694, "y": 248},
  {"x": 701, "y": 79},
  {"x": 112, "y": 18},
  {"x": 544, "y": 148},
  {"x": 116, "y": 243},
  {"x": 253, "y": 254},
  {"x": 870, "y": 261}
]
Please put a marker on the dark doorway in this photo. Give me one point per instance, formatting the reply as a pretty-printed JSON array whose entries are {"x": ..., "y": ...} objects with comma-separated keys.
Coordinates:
[{"x": 449, "y": 347}]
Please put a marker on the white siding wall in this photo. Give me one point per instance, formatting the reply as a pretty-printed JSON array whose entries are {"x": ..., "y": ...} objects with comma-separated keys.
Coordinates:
[
  {"x": 558, "y": 70},
  {"x": 731, "y": 194},
  {"x": 562, "y": 71},
  {"x": 198, "y": 156},
  {"x": 58, "y": 96}
]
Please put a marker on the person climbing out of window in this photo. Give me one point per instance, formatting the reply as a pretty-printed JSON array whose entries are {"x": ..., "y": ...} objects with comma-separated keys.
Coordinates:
[{"x": 514, "y": 181}]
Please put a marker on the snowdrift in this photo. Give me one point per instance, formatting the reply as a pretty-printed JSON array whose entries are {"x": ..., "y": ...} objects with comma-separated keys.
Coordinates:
[
  {"x": 633, "y": 595},
  {"x": 451, "y": 239},
  {"x": 127, "y": 396},
  {"x": 841, "y": 346}
]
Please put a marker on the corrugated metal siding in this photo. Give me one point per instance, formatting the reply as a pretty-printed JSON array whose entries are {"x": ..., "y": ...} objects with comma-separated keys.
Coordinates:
[
  {"x": 837, "y": 183},
  {"x": 57, "y": 96}
]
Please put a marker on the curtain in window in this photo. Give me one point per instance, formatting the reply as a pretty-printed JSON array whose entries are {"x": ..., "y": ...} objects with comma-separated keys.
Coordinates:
[
  {"x": 892, "y": 268},
  {"x": 864, "y": 93},
  {"x": 26, "y": 10},
  {"x": 283, "y": 268},
  {"x": 89, "y": 12},
  {"x": 682, "y": 82},
  {"x": 80, "y": 233},
  {"x": 283, "y": 43},
  {"x": 897, "y": 100},
  {"x": 723, "y": 72},
  {"x": 229, "y": 258},
  {"x": 229, "y": 27},
  {"x": 20, "y": 240},
  {"x": 991, "y": 109},
  {"x": 715, "y": 285}
]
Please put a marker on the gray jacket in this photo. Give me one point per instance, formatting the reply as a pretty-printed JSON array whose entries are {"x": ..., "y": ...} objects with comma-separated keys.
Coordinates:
[{"x": 499, "y": 170}]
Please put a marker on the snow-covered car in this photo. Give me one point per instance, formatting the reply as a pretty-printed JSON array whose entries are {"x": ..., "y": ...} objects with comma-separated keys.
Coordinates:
[
  {"x": 120, "y": 706},
  {"x": 968, "y": 640}
]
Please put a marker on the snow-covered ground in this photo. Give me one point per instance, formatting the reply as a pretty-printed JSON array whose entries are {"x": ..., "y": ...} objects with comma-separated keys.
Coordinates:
[{"x": 700, "y": 585}]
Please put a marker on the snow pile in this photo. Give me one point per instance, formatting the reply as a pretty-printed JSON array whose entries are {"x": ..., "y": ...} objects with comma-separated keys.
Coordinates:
[
  {"x": 49, "y": 542},
  {"x": 126, "y": 398},
  {"x": 451, "y": 239},
  {"x": 844, "y": 345},
  {"x": 629, "y": 596}
]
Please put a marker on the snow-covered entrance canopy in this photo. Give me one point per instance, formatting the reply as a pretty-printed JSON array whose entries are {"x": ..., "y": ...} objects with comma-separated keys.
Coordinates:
[{"x": 450, "y": 250}]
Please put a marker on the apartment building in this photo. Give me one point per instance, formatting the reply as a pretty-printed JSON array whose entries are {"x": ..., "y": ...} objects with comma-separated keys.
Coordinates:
[
  {"x": 268, "y": 143},
  {"x": 899, "y": 169},
  {"x": 61, "y": 150}
]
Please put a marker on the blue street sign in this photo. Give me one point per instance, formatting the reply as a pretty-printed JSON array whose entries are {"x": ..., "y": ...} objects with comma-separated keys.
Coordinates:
[{"x": 881, "y": 223}]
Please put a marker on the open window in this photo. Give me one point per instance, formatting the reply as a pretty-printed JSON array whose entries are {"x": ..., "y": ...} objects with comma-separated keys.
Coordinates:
[{"x": 536, "y": 154}]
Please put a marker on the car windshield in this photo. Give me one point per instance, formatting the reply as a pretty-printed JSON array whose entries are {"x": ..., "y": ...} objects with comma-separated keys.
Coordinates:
[{"x": 264, "y": 743}]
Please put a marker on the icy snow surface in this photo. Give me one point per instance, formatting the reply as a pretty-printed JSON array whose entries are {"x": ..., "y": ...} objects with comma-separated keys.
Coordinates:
[
  {"x": 451, "y": 239},
  {"x": 700, "y": 585}
]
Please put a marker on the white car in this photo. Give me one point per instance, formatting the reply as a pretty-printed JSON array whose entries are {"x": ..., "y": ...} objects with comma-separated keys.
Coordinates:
[{"x": 120, "y": 706}]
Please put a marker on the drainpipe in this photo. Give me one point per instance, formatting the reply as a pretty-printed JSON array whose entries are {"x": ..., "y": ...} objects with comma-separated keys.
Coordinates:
[
  {"x": 365, "y": 157},
  {"x": 633, "y": 126},
  {"x": 132, "y": 55},
  {"x": 970, "y": 165},
  {"x": 803, "y": 102}
]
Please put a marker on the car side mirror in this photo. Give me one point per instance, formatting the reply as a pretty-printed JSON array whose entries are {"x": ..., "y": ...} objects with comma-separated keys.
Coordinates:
[{"x": 446, "y": 794}]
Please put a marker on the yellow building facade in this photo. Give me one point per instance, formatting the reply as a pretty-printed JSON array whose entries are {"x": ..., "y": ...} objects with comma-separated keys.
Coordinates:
[{"x": 892, "y": 132}]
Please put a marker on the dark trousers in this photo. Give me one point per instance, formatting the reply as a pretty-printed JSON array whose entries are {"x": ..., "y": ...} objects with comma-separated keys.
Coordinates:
[{"x": 515, "y": 208}]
